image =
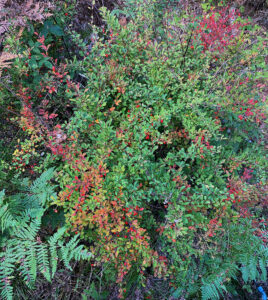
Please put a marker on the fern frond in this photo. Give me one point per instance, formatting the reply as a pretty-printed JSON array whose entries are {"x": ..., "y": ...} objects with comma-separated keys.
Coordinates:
[
  {"x": 53, "y": 259},
  {"x": 72, "y": 251},
  {"x": 263, "y": 267},
  {"x": 53, "y": 240},
  {"x": 33, "y": 261},
  {"x": 29, "y": 232},
  {"x": 41, "y": 183},
  {"x": 213, "y": 289},
  {"x": 6, "y": 218},
  {"x": 56, "y": 236},
  {"x": 7, "y": 266},
  {"x": 64, "y": 253},
  {"x": 245, "y": 273},
  {"x": 80, "y": 253},
  {"x": 22, "y": 251},
  {"x": 24, "y": 266},
  {"x": 42, "y": 260}
]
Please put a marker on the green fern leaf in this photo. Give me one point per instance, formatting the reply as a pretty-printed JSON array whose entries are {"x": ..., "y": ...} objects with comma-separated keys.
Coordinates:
[
  {"x": 42, "y": 260},
  {"x": 53, "y": 240},
  {"x": 6, "y": 270}
]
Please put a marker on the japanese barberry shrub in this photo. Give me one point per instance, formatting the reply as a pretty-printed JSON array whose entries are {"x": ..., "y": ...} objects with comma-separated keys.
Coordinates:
[{"x": 159, "y": 157}]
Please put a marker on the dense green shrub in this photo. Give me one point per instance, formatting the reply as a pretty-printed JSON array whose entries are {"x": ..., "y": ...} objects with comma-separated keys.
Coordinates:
[{"x": 159, "y": 152}]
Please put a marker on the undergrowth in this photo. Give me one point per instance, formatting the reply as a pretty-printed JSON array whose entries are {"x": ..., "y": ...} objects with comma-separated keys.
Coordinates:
[{"x": 141, "y": 150}]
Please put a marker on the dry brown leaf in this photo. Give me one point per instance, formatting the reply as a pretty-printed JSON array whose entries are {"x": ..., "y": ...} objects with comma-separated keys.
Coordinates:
[
  {"x": 20, "y": 33},
  {"x": 4, "y": 27},
  {"x": 2, "y": 4},
  {"x": 29, "y": 4},
  {"x": 6, "y": 60},
  {"x": 15, "y": 14}
]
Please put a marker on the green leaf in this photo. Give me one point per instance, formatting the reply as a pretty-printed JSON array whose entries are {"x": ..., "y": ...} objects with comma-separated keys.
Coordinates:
[
  {"x": 33, "y": 63},
  {"x": 56, "y": 30},
  {"x": 41, "y": 62},
  {"x": 48, "y": 64}
]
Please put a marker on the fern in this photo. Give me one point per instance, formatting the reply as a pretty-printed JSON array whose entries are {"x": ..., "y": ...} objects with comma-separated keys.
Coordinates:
[
  {"x": 40, "y": 186},
  {"x": 22, "y": 253},
  {"x": 33, "y": 261},
  {"x": 53, "y": 240},
  {"x": 263, "y": 268},
  {"x": 213, "y": 289},
  {"x": 67, "y": 252},
  {"x": 5, "y": 216},
  {"x": 6, "y": 270},
  {"x": 43, "y": 261},
  {"x": 246, "y": 258}
]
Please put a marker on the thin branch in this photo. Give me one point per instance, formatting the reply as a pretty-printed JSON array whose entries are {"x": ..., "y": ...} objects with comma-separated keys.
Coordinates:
[
  {"x": 38, "y": 118},
  {"x": 9, "y": 110}
]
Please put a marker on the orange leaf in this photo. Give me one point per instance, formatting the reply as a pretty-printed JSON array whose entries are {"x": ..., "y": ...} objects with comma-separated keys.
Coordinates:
[{"x": 117, "y": 102}]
